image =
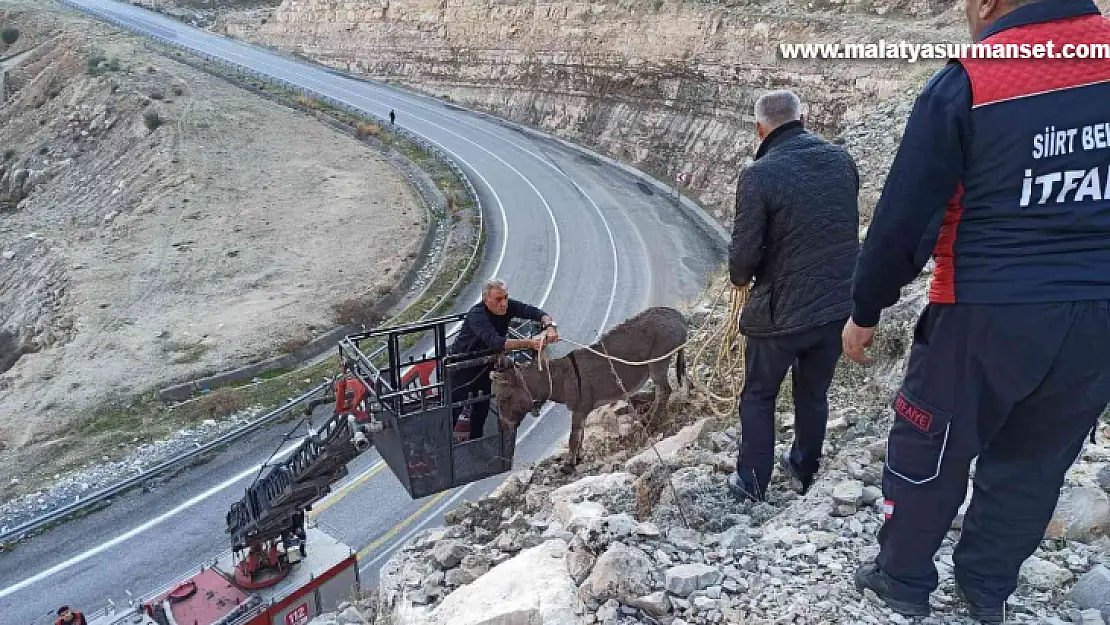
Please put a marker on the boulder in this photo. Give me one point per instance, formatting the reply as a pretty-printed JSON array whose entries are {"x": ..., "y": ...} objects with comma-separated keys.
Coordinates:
[
  {"x": 1092, "y": 591},
  {"x": 669, "y": 448},
  {"x": 1082, "y": 514},
  {"x": 688, "y": 578},
  {"x": 1043, "y": 575},
  {"x": 532, "y": 588},
  {"x": 622, "y": 573}
]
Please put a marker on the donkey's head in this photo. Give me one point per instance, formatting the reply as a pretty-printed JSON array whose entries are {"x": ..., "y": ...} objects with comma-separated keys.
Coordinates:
[{"x": 514, "y": 398}]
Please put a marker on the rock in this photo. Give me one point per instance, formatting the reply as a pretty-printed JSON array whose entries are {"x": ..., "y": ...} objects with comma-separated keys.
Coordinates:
[
  {"x": 688, "y": 578},
  {"x": 609, "y": 613},
  {"x": 622, "y": 573},
  {"x": 647, "y": 530},
  {"x": 655, "y": 604},
  {"x": 593, "y": 487},
  {"x": 1103, "y": 478},
  {"x": 872, "y": 475},
  {"x": 533, "y": 587},
  {"x": 579, "y": 561},
  {"x": 684, "y": 538},
  {"x": 848, "y": 493},
  {"x": 872, "y": 494},
  {"x": 474, "y": 566},
  {"x": 573, "y": 515},
  {"x": 599, "y": 532},
  {"x": 449, "y": 553},
  {"x": 1090, "y": 617},
  {"x": 1092, "y": 591},
  {"x": 512, "y": 488},
  {"x": 822, "y": 540},
  {"x": 1082, "y": 514},
  {"x": 1042, "y": 574},
  {"x": 668, "y": 448},
  {"x": 351, "y": 616},
  {"x": 735, "y": 537},
  {"x": 784, "y": 536}
]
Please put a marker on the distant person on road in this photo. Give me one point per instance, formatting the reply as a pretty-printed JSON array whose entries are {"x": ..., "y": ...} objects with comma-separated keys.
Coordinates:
[
  {"x": 69, "y": 617},
  {"x": 796, "y": 232},
  {"x": 1009, "y": 365},
  {"x": 485, "y": 327},
  {"x": 392, "y": 117}
]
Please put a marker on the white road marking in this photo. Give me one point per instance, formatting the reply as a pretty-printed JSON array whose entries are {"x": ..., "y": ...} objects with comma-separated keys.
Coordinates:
[{"x": 158, "y": 520}]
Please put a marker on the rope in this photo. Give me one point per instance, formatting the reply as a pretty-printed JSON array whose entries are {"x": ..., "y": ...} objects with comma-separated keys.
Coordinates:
[
  {"x": 729, "y": 368},
  {"x": 623, "y": 361}
]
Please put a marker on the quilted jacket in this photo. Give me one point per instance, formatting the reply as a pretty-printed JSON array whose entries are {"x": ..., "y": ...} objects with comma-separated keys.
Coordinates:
[{"x": 796, "y": 232}]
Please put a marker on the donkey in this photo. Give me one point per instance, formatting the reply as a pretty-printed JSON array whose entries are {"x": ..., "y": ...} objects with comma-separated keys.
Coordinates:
[{"x": 584, "y": 381}]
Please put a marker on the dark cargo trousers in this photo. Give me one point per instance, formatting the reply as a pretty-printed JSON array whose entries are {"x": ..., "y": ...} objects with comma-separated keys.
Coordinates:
[
  {"x": 1019, "y": 386},
  {"x": 813, "y": 354},
  {"x": 472, "y": 382}
]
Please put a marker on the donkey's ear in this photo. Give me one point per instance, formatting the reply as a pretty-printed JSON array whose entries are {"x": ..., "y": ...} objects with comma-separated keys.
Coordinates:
[
  {"x": 497, "y": 377},
  {"x": 503, "y": 363}
]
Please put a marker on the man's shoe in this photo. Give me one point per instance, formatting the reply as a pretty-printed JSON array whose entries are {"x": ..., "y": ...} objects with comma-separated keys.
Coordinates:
[
  {"x": 983, "y": 614},
  {"x": 804, "y": 481},
  {"x": 743, "y": 490},
  {"x": 871, "y": 576}
]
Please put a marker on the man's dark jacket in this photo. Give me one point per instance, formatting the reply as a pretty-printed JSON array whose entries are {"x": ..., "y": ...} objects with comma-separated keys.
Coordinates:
[
  {"x": 796, "y": 231},
  {"x": 482, "y": 330}
]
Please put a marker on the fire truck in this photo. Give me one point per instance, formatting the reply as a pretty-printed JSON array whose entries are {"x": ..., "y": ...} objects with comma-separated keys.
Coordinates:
[{"x": 280, "y": 569}]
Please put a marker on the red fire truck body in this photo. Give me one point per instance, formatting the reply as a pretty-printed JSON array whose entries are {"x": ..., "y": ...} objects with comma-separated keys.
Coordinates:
[{"x": 317, "y": 583}]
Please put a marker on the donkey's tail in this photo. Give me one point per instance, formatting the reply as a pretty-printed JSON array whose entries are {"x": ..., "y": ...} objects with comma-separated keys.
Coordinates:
[{"x": 680, "y": 366}]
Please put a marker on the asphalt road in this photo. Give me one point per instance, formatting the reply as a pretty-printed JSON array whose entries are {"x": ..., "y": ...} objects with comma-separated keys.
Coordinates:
[{"x": 587, "y": 241}]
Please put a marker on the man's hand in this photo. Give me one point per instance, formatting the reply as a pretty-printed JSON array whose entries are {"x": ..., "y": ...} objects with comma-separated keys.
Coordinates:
[
  {"x": 537, "y": 343},
  {"x": 552, "y": 335},
  {"x": 856, "y": 339}
]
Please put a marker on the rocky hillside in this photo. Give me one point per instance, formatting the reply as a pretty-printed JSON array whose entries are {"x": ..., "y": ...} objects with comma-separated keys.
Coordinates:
[
  {"x": 156, "y": 224},
  {"x": 651, "y": 535}
]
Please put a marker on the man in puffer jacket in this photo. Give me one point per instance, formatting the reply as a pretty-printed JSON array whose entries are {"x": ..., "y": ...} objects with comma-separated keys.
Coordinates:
[{"x": 796, "y": 232}]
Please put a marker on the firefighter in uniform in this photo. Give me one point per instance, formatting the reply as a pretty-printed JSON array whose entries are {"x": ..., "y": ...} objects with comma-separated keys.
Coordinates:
[{"x": 1010, "y": 361}]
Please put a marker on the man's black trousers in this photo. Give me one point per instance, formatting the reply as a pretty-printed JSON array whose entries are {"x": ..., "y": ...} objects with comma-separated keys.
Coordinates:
[
  {"x": 472, "y": 381},
  {"x": 1019, "y": 386},
  {"x": 813, "y": 354}
]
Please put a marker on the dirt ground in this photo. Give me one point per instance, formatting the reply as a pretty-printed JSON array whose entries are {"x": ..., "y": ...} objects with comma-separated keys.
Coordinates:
[{"x": 148, "y": 251}]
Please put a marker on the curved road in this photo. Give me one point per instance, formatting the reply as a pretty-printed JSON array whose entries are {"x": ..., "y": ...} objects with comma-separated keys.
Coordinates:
[{"x": 589, "y": 242}]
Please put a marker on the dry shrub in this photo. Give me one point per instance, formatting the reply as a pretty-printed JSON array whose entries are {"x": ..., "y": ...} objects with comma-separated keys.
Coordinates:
[
  {"x": 299, "y": 339},
  {"x": 367, "y": 129},
  {"x": 221, "y": 402},
  {"x": 356, "y": 311}
]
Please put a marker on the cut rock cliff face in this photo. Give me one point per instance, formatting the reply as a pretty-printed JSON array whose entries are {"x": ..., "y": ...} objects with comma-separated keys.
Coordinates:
[{"x": 667, "y": 87}]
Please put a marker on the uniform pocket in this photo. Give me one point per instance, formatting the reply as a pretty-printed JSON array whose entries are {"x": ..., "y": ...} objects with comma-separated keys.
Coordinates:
[{"x": 918, "y": 439}]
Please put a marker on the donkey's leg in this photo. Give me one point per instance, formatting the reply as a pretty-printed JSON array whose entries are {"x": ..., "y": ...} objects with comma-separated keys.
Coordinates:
[
  {"x": 577, "y": 431},
  {"x": 658, "y": 373}
]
